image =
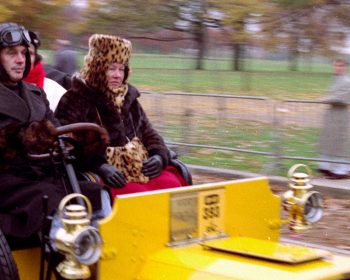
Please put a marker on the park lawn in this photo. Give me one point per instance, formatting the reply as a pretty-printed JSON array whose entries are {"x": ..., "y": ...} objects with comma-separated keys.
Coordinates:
[
  {"x": 263, "y": 77},
  {"x": 284, "y": 85},
  {"x": 246, "y": 135}
]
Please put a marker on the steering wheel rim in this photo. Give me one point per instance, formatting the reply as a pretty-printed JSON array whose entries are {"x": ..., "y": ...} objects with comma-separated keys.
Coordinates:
[{"x": 71, "y": 128}]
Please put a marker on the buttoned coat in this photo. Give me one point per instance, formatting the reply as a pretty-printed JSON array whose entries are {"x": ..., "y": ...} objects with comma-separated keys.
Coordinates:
[{"x": 24, "y": 183}]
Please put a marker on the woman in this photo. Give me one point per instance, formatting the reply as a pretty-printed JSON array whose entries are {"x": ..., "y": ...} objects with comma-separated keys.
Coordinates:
[
  {"x": 137, "y": 158},
  {"x": 37, "y": 75}
]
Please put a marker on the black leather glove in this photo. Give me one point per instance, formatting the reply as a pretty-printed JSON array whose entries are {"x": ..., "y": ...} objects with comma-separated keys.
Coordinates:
[
  {"x": 152, "y": 167},
  {"x": 111, "y": 175}
]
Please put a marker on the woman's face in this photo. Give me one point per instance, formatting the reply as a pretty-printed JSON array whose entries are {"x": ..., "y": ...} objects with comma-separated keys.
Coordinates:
[
  {"x": 115, "y": 75},
  {"x": 32, "y": 55}
]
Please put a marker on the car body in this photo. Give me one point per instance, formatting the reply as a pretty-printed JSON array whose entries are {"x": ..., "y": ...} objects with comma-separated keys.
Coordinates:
[{"x": 223, "y": 230}]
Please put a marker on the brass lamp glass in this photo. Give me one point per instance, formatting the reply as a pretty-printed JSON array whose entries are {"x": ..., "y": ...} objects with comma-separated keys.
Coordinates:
[
  {"x": 77, "y": 240},
  {"x": 304, "y": 206}
]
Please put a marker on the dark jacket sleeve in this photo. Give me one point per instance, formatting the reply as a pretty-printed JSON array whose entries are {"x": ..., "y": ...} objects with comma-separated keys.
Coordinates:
[
  {"x": 68, "y": 111},
  {"x": 72, "y": 110}
]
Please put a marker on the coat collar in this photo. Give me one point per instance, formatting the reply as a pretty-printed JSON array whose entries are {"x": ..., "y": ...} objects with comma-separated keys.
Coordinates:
[
  {"x": 17, "y": 107},
  {"x": 97, "y": 97}
]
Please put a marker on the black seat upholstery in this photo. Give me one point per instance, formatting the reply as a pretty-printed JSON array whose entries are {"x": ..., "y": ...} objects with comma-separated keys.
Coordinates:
[{"x": 181, "y": 167}]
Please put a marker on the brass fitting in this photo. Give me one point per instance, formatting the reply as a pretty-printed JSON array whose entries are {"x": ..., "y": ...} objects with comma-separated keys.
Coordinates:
[
  {"x": 305, "y": 207},
  {"x": 77, "y": 240}
]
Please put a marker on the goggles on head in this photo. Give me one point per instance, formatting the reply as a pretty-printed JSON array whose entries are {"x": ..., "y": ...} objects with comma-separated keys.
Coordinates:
[{"x": 13, "y": 36}]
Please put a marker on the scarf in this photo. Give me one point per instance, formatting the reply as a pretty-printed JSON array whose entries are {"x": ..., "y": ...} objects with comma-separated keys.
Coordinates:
[
  {"x": 117, "y": 96},
  {"x": 36, "y": 75}
]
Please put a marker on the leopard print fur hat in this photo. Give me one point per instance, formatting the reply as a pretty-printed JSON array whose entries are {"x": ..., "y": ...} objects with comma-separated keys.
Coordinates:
[{"x": 104, "y": 49}]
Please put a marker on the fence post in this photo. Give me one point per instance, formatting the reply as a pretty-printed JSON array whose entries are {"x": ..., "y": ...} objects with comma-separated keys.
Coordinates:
[
  {"x": 158, "y": 105},
  {"x": 275, "y": 166},
  {"x": 221, "y": 101},
  {"x": 187, "y": 129}
]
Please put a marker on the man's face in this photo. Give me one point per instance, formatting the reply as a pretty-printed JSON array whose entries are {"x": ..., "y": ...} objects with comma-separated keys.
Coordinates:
[
  {"x": 339, "y": 68},
  {"x": 13, "y": 59}
]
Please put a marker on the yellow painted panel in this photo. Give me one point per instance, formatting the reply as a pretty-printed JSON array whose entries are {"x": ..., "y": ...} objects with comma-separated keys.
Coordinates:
[
  {"x": 251, "y": 209},
  {"x": 28, "y": 263},
  {"x": 140, "y": 223},
  {"x": 265, "y": 249},
  {"x": 196, "y": 263}
]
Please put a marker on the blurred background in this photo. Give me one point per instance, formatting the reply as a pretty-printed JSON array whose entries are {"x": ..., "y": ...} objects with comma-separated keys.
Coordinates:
[{"x": 229, "y": 83}]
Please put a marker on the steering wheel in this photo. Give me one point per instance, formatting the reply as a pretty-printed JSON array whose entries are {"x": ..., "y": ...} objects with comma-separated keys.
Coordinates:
[{"x": 62, "y": 132}]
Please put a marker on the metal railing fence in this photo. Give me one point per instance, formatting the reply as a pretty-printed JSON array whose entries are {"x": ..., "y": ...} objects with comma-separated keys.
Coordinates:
[{"x": 244, "y": 132}]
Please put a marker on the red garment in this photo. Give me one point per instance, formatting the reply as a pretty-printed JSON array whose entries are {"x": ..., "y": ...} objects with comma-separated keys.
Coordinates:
[
  {"x": 169, "y": 178},
  {"x": 36, "y": 75}
]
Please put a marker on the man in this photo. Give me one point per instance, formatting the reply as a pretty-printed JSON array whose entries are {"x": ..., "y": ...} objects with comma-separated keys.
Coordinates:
[
  {"x": 26, "y": 125},
  {"x": 334, "y": 140},
  {"x": 65, "y": 59}
]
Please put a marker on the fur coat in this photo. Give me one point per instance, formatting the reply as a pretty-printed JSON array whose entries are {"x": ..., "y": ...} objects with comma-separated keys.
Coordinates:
[{"x": 85, "y": 104}]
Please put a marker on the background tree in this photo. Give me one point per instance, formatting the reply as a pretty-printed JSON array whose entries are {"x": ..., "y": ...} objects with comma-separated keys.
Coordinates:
[
  {"x": 137, "y": 18},
  {"x": 194, "y": 19},
  {"x": 238, "y": 17},
  {"x": 37, "y": 15},
  {"x": 8, "y": 9},
  {"x": 305, "y": 26},
  {"x": 125, "y": 16}
]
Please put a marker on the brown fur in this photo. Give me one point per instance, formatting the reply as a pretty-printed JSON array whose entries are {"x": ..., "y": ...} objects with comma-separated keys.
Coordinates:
[
  {"x": 38, "y": 137},
  {"x": 91, "y": 143}
]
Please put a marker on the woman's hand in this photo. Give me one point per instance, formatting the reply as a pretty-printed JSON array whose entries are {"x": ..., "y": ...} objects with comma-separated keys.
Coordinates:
[
  {"x": 153, "y": 166},
  {"x": 111, "y": 175}
]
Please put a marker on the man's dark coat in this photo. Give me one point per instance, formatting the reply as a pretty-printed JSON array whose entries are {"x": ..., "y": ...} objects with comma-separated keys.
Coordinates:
[{"x": 24, "y": 183}]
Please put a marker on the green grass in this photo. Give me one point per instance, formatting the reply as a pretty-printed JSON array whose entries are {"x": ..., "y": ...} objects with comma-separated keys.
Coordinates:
[
  {"x": 262, "y": 78},
  {"x": 151, "y": 61},
  {"x": 285, "y": 85},
  {"x": 247, "y": 135}
]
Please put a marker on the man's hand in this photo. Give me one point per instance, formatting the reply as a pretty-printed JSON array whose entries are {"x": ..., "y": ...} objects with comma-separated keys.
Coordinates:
[{"x": 111, "y": 175}]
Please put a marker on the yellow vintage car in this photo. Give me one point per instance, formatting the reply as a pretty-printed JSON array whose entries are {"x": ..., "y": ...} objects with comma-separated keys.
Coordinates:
[{"x": 223, "y": 230}]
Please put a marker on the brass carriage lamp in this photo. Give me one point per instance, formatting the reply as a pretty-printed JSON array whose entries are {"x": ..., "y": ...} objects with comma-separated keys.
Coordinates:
[
  {"x": 77, "y": 240},
  {"x": 305, "y": 207}
]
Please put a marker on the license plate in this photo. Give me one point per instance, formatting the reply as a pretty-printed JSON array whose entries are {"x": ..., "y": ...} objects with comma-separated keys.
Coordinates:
[
  {"x": 196, "y": 215},
  {"x": 211, "y": 213}
]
